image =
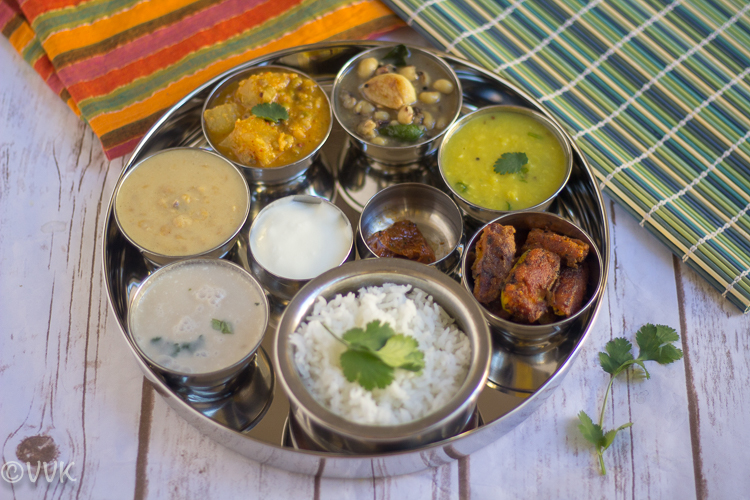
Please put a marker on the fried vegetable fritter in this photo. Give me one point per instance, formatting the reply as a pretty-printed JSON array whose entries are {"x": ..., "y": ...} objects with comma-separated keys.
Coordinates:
[
  {"x": 572, "y": 250},
  {"x": 402, "y": 239},
  {"x": 525, "y": 293},
  {"x": 494, "y": 258},
  {"x": 569, "y": 291}
]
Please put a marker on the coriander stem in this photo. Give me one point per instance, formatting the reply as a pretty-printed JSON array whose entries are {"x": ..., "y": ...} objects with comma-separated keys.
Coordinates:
[
  {"x": 604, "y": 404},
  {"x": 609, "y": 387},
  {"x": 334, "y": 335},
  {"x": 601, "y": 463}
]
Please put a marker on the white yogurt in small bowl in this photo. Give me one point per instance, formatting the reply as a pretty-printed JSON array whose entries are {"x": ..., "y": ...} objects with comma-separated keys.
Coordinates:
[
  {"x": 295, "y": 239},
  {"x": 199, "y": 322}
]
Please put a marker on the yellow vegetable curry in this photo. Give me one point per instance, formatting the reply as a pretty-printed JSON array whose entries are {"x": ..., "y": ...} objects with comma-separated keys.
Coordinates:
[{"x": 240, "y": 135}]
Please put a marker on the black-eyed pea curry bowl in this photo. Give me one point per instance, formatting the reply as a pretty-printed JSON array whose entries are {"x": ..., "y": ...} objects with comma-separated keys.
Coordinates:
[{"x": 396, "y": 102}]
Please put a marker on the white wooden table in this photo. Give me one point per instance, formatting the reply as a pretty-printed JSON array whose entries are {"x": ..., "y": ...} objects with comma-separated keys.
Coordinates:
[{"x": 70, "y": 389}]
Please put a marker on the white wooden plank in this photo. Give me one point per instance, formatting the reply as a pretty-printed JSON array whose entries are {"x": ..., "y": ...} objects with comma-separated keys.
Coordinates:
[
  {"x": 440, "y": 483},
  {"x": 183, "y": 463},
  {"x": 60, "y": 366},
  {"x": 717, "y": 346}
]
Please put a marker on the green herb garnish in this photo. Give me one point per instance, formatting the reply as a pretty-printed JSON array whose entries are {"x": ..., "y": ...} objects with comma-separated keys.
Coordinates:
[
  {"x": 461, "y": 187},
  {"x": 511, "y": 163},
  {"x": 156, "y": 340},
  {"x": 186, "y": 346},
  {"x": 221, "y": 326},
  {"x": 271, "y": 111},
  {"x": 178, "y": 347},
  {"x": 509, "y": 207},
  {"x": 535, "y": 136},
  {"x": 406, "y": 133},
  {"x": 374, "y": 353},
  {"x": 654, "y": 344},
  {"x": 397, "y": 55}
]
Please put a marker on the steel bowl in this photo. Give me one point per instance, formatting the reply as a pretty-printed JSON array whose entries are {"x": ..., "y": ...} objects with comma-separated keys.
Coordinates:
[
  {"x": 157, "y": 259},
  {"x": 258, "y": 175},
  {"x": 394, "y": 155},
  {"x": 545, "y": 336},
  {"x": 483, "y": 214},
  {"x": 207, "y": 386},
  {"x": 335, "y": 433},
  {"x": 434, "y": 212},
  {"x": 280, "y": 287}
]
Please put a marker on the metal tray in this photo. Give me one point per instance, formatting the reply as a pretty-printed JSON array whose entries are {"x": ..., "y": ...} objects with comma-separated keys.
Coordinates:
[{"x": 519, "y": 381}]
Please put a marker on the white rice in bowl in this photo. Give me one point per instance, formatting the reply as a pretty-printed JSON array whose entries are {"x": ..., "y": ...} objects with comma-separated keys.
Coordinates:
[{"x": 447, "y": 355}]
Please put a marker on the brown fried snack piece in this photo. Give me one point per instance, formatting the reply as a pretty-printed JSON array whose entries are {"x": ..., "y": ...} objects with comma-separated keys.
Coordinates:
[
  {"x": 572, "y": 250},
  {"x": 494, "y": 258},
  {"x": 570, "y": 290},
  {"x": 401, "y": 239},
  {"x": 525, "y": 293}
]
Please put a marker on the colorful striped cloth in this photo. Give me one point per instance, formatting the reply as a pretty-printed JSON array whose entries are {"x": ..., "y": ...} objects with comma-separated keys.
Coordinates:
[
  {"x": 121, "y": 63},
  {"x": 655, "y": 93}
]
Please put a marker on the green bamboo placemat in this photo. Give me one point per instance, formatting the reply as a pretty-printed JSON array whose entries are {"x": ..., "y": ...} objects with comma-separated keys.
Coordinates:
[{"x": 656, "y": 95}]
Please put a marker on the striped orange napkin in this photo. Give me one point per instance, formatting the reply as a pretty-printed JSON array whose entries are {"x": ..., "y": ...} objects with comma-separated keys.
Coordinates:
[{"x": 121, "y": 64}]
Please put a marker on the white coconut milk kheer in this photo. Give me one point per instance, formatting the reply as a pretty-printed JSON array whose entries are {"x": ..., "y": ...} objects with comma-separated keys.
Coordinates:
[
  {"x": 299, "y": 240},
  {"x": 199, "y": 316}
]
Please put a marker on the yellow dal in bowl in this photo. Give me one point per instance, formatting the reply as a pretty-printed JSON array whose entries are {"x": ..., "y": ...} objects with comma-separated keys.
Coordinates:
[
  {"x": 181, "y": 202},
  {"x": 470, "y": 153}
]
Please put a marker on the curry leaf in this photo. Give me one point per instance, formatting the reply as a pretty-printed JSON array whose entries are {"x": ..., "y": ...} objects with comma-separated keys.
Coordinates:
[{"x": 271, "y": 111}]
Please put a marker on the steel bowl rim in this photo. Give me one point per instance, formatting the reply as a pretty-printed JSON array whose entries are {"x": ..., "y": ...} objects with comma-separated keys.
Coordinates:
[
  {"x": 293, "y": 169},
  {"x": 300, "y": 397},
  {"x": 173, "y": 258},
  {"x": 439, "y": 61},
  {"x": 510, "y": 325},
  {"x": 420, "y": 185},
  {"x": 153, "y": 277},
  {"x": 546, "y": 121}
]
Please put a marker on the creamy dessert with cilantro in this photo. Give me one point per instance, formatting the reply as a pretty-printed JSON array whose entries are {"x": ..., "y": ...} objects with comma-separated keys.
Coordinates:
[
  {"x": 199, "y": 316},
  {"x": 396, "y": 96},
  {"x": 503, "y": 160},
  {"x": 182, "y": 202},
  {"x": 386, "y": 355},
  {"x": 270, "y": 119},
  {"x": 300, "y": 238}
]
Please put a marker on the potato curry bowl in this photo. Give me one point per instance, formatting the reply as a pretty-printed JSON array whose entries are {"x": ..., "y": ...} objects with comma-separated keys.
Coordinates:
[{"x": 270, "y": 121}]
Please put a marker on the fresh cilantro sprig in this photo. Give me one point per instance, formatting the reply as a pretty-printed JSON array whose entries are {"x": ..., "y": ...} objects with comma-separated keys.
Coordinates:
[
  {"x": 511, "y": 163},
  {"x": 654, "y": 344},
  {"x": 397, "y": 55},
  {"x": 373, "y": 354},
  {"x": 271, "y": 111}
]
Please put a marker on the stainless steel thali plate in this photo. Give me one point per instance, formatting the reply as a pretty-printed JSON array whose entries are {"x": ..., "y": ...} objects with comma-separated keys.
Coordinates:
[{"x": 518, "y": 381}]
